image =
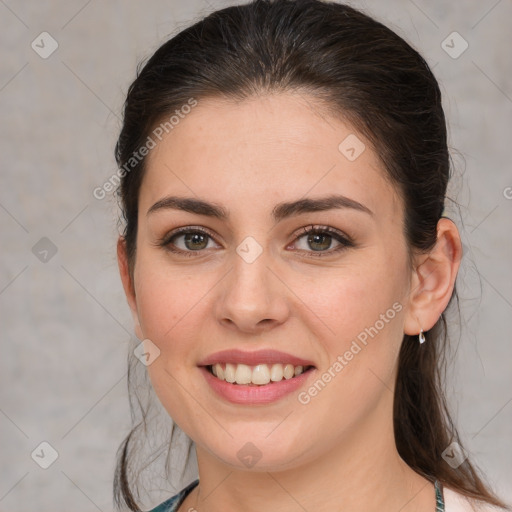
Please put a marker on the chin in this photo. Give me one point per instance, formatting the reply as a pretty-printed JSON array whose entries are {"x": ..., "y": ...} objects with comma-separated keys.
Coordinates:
[{"x": 258, "y": 455}]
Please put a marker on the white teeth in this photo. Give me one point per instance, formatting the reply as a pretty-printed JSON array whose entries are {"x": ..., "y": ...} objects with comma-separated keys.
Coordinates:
[
  {"x": 218, "y": 371},
  {"x": 288, "y": 371},
  {"x": 229, "y": 373},
  {"x": 276, "y": 372},
  {"x": 260, "y": 374},
  {"x": 243, "y": 374}
]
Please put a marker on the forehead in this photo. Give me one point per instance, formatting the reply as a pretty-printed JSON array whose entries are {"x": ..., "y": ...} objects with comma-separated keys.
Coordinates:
[{"x": 263, "y": 150}]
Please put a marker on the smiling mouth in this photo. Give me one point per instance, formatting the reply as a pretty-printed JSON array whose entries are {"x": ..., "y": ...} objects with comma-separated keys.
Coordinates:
[{"x": 258, "y": 375}]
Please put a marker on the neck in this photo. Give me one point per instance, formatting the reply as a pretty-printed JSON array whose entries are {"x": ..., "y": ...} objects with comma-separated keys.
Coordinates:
[{"x": 362, "y": 472}]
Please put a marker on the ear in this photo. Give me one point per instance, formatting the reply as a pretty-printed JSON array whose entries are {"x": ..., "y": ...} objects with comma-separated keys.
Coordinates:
[
  {"x": 433, "y": 279},
  {"x": 128, "y": 285}
]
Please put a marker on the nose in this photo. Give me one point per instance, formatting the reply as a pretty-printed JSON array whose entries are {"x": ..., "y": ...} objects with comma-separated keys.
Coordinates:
[{"x": 252, "y": 299}]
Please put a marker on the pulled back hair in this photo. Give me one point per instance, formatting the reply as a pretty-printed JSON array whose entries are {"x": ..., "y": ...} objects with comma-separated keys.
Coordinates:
[{"x": 359, "y": 70}]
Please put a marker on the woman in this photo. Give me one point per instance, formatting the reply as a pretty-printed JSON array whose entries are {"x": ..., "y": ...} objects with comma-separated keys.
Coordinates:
[{"x": 288, "y": 265}]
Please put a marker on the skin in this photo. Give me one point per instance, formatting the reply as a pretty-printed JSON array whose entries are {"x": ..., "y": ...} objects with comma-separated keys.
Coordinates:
[{"x": 338, "y": 451}]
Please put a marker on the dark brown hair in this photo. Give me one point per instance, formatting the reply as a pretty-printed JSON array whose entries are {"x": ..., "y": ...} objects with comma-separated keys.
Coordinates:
[{"x": 357, "y": 68}]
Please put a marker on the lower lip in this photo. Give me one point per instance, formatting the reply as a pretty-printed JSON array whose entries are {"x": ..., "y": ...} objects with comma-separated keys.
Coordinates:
[{"x": 249, "y": 395}]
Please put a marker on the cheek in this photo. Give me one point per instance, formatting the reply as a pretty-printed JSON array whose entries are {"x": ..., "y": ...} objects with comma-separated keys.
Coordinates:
[
  {"x": 362, "y": 310},
  {"x": 166, "y": 299},
  {"x": 365, "y": 314},
  {"x": 353, "y": 300},
  {"x": 169, "y": 307}
]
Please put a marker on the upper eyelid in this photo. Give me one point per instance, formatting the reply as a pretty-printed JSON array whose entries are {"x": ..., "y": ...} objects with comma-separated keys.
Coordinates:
[{"x": 323, "y": 229}]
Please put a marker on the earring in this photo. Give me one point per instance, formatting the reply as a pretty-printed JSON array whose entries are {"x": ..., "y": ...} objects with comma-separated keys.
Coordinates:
[{"x": 421, "y": 337}]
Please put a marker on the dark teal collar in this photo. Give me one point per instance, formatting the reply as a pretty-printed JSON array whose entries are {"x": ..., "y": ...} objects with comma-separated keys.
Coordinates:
[{"x": 439, "y": 496}]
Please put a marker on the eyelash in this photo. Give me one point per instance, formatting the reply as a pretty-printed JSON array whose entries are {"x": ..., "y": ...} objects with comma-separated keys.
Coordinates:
[{"x": 345, "y": 241}]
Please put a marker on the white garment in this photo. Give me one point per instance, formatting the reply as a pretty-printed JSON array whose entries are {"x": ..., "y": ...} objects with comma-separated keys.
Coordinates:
[{"x": 456, "y": 502}]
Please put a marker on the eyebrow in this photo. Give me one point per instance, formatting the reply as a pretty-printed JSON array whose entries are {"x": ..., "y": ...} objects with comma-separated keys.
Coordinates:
[{"x": 280, "y": 211}]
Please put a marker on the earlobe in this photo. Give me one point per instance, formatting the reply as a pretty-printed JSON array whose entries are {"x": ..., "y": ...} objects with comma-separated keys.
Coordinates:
[
  {"x": 128, "y": 285},
  {"x": 434, "y": 279}
]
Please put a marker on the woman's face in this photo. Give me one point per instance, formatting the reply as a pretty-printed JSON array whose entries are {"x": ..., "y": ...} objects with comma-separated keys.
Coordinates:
[{"x": 255, "y": 281}]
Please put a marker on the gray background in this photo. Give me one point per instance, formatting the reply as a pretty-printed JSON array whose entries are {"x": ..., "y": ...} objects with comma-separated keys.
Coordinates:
[{"x": 65, "y": 325}]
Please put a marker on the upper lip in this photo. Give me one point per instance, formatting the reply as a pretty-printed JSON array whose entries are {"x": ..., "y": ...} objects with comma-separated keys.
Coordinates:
[{"x": 268, "y": 356}]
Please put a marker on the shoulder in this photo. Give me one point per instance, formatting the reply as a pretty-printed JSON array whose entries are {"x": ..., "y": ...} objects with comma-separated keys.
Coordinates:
[
  {"x": 173, "y": 503},
  {"x": 456, "y": 502}
]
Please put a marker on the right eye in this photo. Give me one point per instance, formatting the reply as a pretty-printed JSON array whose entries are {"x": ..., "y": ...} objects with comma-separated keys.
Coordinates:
[{"x": 187, "y": 241}]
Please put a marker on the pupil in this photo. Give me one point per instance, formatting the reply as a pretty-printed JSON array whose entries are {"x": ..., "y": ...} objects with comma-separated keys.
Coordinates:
[{"x": 318, "y": 239}]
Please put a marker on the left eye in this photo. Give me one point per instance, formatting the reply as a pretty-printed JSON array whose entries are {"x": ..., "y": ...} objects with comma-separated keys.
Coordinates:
[{"x": 319, "y": 240}]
